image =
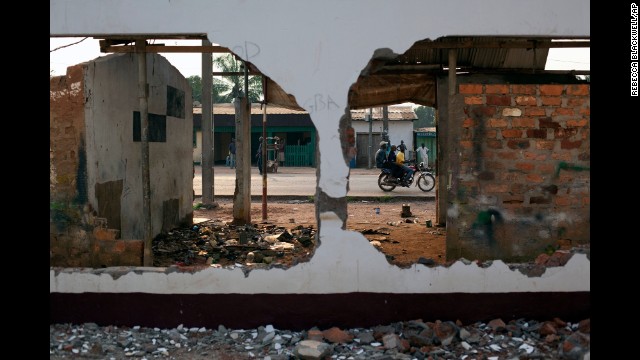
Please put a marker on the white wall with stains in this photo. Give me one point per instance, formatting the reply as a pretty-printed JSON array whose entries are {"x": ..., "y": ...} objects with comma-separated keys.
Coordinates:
[{"x": 315, "y": 50}]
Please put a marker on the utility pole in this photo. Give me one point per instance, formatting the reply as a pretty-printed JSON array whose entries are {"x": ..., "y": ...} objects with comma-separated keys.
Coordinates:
[
  {"x": 143, "y": 92},
  {"x": 370, "y": 117},
  {"x": 207, "y": 128}
]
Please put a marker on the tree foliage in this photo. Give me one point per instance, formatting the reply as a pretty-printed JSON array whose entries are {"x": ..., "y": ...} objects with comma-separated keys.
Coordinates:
[
  {"x": 426, "y": 117},
  {"x": 196, "y": 87},
  {"x": 226, "y": 88}
]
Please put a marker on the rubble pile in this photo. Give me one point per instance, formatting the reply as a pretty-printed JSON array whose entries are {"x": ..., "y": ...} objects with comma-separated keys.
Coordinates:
[
  {"x": 415, "y": 339},
  {"x": 219, "y": 244}
]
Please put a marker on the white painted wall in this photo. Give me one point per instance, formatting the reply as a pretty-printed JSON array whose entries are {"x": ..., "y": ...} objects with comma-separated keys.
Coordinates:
[
  {"x": 315, "y": 50},
  {"x": 112, "y": 85}
]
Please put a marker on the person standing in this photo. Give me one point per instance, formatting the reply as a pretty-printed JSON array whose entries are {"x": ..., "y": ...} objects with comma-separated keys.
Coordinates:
[
  {"x": 402, "y": 147},
  {"x": 259, "y": 155},
  {"x": 232, "y": 153},
  {"x": 423, "y": 152}
]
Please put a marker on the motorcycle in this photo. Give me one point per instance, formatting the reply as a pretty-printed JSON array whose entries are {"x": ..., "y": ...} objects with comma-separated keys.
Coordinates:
[{"x": 425, "y": 179}]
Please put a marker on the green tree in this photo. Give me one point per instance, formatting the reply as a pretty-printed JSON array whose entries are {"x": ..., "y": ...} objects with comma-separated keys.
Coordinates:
[
  {"x": 196, "y": 87},
  {"x": 226, "y": 88},
  {"x": 426, "y": 117}
]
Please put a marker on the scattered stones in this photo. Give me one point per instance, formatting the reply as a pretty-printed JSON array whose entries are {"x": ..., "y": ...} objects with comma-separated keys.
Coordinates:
[{"x": 409, "y": 340}]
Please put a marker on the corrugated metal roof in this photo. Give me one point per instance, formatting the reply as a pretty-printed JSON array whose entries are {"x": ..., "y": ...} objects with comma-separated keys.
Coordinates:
[
  {"x": 395, "y": 112},
  {"x": 229, "y": 109}
]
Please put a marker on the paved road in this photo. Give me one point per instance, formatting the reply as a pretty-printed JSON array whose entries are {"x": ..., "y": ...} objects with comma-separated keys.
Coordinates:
[{"x": 301, "y": 182}]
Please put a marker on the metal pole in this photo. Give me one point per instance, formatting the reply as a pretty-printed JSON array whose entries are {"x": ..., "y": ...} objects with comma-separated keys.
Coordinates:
[
  {"x": 207, "y": 128},
  {"x": 264, "y": 137},
  {"x": 370, "y": 136},
  {"x": 144, "y": 141}
]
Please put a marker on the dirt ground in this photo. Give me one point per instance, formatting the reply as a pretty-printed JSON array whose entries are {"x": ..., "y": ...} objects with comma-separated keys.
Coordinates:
[{"x": 405, "y": 240}]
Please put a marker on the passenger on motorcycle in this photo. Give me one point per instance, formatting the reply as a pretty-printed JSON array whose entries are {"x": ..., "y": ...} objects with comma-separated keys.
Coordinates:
[
  {"x": 396, "y": 170},
  {"x": 407, "y": 171}
]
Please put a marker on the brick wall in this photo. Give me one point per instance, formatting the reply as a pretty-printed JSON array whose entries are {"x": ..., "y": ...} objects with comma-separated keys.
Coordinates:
[{"x": 523, "y": 182}]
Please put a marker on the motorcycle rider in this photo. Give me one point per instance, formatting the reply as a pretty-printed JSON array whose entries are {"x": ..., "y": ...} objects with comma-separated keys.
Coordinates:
[{"x": 381, "y": 155}]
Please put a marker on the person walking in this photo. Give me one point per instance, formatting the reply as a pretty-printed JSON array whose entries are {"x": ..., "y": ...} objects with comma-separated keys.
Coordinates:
[{"x": 232, "y": 153}]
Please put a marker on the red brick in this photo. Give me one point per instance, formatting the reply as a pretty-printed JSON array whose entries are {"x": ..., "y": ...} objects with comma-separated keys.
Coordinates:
[
  {"x": 562, "y": 200},
  {"x": 491, "y": 134},
  {"x": 518, "y": 188},
  {"x": 537, "y": 133},
  {"x": 510, "y": 177},
  {"x": 581, "y": 89},
  {"x": 473, "y": 100},
  {"x": 498, "y": 123},
  {"x": 551, "y": 89},
  {"x": 586, "y": 200},
  {"x": 510, "y": 155},
  {"x": 564, "y": 156},
  {"x": 470, "y": 88},
  {"x": 497, "y": 89},
  {"x": 483, "y": 110},
  {"x": 488, "y": 154},
  {"x": 134, "y": 245},
  {"x": 466, "y": 144},
  {"x": 561, "y": 133},
  {"x": 494, "y": 144},
  {"x": 525, "y": 166},
  {"x": 526, "y": 100},
  {"x": 518, "y": 144},
  {"x": 547, "y": 123},
  {"x": 578, "y": 102},
  {"x": 523, "y": 89},
  {"x": 468, "y": 122},
  {"x": 545, "y": 144},
  {"x": 562, "y": 111},
  {"x": 534, "y": 111},
  {"x": 577, "y": 122},
  {"x": 120, "y": 246},
  {"x": 535, "y": 178},
  {"x": 495, "y": 165},
  {"x": 551, "y": 100},
  {"x": 586, "y": 111},
  {"x": 501, "y": 100},
  {"x": 528, "y": 155},
  {"x": 568, "y": 144},
  {"x": 546, "y": 168},
  {"x": 511, "y": 133},
  {"x": 496, "y": 188},
  {"x": 526, "y": 122}
]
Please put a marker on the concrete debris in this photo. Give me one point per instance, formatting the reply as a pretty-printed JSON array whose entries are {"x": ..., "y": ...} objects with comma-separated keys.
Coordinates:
[
  {"x": 415, "y": 339},
  {"x": 218, "y": 244}
]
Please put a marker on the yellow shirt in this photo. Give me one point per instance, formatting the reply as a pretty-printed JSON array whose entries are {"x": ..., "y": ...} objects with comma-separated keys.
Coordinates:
[{"x": 400, "y": 158}]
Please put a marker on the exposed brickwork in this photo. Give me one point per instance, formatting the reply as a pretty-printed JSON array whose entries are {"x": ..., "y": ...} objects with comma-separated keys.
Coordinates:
[
  {"x": 537, "y": 167},
  {"x": 77, "y": 246}
]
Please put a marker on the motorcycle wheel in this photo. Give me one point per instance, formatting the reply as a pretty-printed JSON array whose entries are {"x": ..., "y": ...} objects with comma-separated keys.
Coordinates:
[
  {"x": 383, "y": 182},
  {"x": 426, "y": 182}
]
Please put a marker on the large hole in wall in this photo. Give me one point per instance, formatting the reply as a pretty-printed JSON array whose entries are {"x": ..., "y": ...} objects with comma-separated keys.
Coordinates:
[{"x": 388, "y": 220}]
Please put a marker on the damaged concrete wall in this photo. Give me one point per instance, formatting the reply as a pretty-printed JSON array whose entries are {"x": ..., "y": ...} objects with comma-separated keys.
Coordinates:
[
  {"x": 315, "y": 53},
  {"x": 96, "y": 170},
  {"x": 521, "y": 165}
]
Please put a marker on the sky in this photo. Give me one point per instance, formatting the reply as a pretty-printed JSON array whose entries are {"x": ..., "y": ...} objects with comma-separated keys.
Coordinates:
[{"x": 191, "y": 63}]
